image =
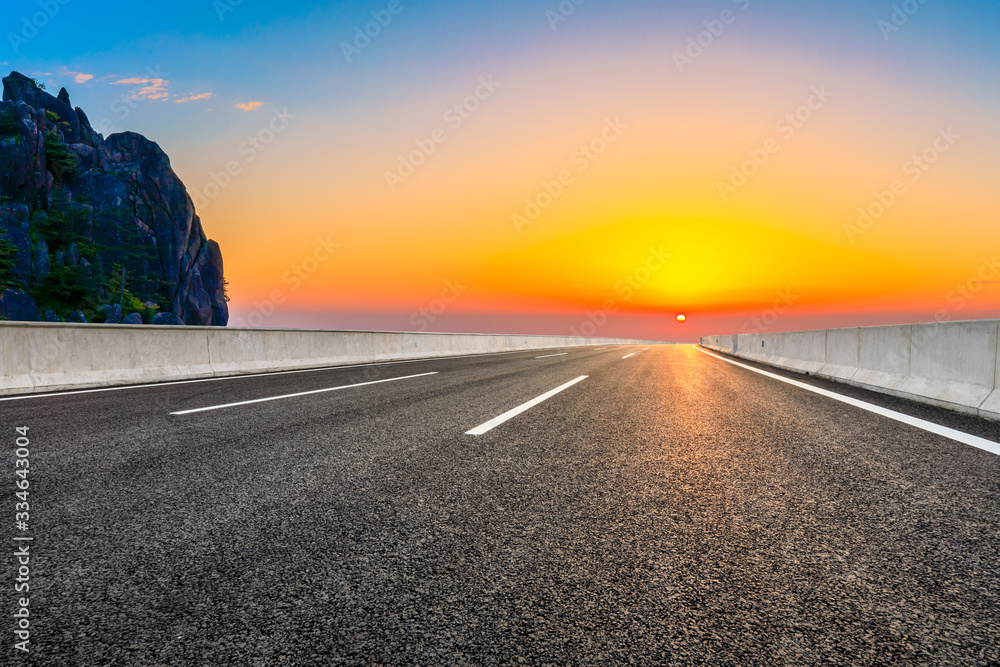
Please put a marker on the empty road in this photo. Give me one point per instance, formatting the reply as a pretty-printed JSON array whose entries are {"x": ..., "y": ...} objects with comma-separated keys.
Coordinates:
[{"x": 623, "y": 505}]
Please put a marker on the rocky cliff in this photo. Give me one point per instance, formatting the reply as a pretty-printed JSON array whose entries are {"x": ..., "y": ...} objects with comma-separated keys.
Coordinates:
[{"x": 92, "y": 229}]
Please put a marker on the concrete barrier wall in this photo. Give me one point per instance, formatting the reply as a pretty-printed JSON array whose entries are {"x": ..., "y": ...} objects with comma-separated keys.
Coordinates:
[
  {"x": 951, "y": 364},
  {"x": 39, "y": 356}
]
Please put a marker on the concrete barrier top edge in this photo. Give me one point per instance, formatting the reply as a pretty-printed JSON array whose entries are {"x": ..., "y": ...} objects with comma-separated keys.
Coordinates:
[
  {"x": 869, "y": 326},
  {"x": 154, "y": 327}
]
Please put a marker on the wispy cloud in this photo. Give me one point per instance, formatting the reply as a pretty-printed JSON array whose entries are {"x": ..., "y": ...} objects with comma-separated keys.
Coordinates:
[
  {"x": 194, "y": 98},
  {"x": 249, "y": 106},
  {"x": 149, "y": 89}
]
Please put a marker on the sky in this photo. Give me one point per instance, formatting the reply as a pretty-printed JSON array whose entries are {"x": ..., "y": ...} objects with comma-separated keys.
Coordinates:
[{"x": 578, "y": 167}]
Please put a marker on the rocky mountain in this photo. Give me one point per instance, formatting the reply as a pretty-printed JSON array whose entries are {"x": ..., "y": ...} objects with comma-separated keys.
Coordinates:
[{"x": 93, "y": 228}]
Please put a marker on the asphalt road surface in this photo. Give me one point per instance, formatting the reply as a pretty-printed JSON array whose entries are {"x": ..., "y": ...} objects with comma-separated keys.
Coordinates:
[{"x": 662, "y": 507}]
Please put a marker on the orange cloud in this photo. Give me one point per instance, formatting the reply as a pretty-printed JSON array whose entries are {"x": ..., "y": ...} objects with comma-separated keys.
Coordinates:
[
  {"x": 78, "y": 77},
  {"x": 150, "y": 89},
  {"x": 194, "y": 98},
  {"x": 250, "y": 106}
]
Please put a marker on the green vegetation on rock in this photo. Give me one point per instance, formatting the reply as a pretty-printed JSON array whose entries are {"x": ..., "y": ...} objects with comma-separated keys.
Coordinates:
[
  {"x": 77, "y": 278},
  {"x": 68, "y": 288},
  {"x": 59, "y": 159},
  {"x": 8, "y": 256},
  {"x": 9, "y": 127},
  {"x": 130, "y": 302},
  {"x": 61, "y": 225}
]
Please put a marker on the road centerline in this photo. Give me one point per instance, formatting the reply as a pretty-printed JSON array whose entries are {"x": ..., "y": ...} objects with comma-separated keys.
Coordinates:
[
  {"x": 923, "y": 424},
  {"x": 303, "y": 393},
  {"x": 630, "y": 355},
  {"x": 524, "y": 407}
]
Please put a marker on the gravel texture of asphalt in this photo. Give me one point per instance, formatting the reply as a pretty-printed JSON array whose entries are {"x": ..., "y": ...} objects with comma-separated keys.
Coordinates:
[{"x": 668, "y": 509}]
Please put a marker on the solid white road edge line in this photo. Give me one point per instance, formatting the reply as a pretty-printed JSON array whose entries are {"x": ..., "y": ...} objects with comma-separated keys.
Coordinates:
[
  {"x": 546, "y": 356},
  {"x": 931, "y": 427},
  {"x": 510, "y": 414},
  {"x": 304, "y": 393}
]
